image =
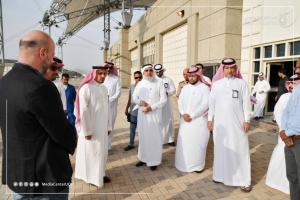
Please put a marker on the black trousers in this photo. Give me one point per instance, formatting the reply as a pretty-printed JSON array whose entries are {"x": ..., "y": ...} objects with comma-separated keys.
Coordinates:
[{"x": 292, "y": 160}]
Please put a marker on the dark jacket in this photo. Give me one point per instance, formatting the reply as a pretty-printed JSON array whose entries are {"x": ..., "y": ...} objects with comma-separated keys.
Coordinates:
[
  {"x": 281, "y": 87},
  {"x": 35, "y": 132}
]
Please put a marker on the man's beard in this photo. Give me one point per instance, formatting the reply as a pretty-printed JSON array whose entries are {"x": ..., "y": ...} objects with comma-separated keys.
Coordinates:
[
  {"x": 193, "y": 83},
  {"x": 151, "y": 78},
  {"x": 53, "y": 78},
  {"x": 45, "y": 67},
  {"x": 229, "y": 76}
]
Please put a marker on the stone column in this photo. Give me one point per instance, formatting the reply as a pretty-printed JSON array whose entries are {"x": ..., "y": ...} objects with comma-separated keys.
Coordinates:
[
  {"x": 125, "y": 61},
  {"x": 192, "y": 43},
  {"x": 158, "y": 49}
]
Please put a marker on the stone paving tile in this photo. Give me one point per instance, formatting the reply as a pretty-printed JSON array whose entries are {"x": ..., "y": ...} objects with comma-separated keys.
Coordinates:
[{"x": 132, "y": 183}]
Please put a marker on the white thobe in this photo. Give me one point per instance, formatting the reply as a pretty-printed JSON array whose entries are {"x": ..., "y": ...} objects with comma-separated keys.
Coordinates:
[
  {"x": 276, "y": 175},
  {"x": 167, "y": 114},
  {"x": 193, "y": 136},
  {"x": 207, "y": 79},
  {"x": 260, "y": 86},
  {"x": 113, "y": 86},
  {"x": 149, "y": 124},
  {"x": 62, "y": 93},
  {"x": 229, "y": 108},
  {"x": 91, "y": 154}
]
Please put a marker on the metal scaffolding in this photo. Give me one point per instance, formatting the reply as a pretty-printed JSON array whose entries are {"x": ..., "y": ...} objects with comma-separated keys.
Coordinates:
[
  {"x": 106, "y": 29},
  {"x": 80, "y": 13}
]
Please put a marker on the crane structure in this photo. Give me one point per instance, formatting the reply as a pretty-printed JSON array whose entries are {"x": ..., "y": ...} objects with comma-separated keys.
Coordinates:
[{"x": 79, "y": 13}]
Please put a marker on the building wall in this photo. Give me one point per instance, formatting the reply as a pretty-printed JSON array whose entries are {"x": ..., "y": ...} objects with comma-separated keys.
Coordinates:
[
  {"x": 213, "y": 31},
  {"x": 267, "y": 22}
]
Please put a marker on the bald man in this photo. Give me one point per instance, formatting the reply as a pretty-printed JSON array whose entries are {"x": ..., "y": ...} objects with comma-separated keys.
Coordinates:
[{"x": 37, "y": 137}]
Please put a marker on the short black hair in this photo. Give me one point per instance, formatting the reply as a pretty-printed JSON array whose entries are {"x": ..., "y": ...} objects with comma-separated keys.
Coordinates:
[
  {"x": 283, "y": 71},
  {"x": 137, "y": 72},
  {"x": 65, "y": 75},
  {"x": 200, "y": 65}
]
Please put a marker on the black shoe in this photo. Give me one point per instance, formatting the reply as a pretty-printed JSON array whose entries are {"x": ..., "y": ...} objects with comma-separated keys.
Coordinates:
[
  {"x": 260, "y": 117},
  {"x": 199, "y": 172},
  {"x": 153, "y": 168},
  {"x": 256, "y": 118},
  {"x": 172, "y": 144},
  {"x": 139, "y": 164},
  {"x": 129, "y": 147},
  {"x": 106, "y": 179}
]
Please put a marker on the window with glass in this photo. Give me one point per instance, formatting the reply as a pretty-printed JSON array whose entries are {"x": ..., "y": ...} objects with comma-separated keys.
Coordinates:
[
  {"x": 295, "y": 48},
  {"x": 148, "y": 59},
  {"x": 257, "y": 53},
  {"x": 280, "y": 50},
  {"x": 148, "y": 52},
  {"x": 268, "y": 51},
  {"x": 256, "y": 68}
]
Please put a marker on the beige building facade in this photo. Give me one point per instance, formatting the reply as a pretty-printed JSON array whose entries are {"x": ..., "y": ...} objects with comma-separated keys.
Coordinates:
[
  {"x": 270, "y": 41},
  {"x": 179, "y": 33}
]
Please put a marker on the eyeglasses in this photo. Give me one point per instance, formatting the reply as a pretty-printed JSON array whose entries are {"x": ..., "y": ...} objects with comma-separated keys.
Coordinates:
[
  {"x": 138, "y": 77},
  {"x": 54, "y": 68},
  {"x": 148, "y": 70}
]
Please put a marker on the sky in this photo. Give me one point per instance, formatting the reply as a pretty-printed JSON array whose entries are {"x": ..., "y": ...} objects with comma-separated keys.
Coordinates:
[{"x": 80, "y": 52}]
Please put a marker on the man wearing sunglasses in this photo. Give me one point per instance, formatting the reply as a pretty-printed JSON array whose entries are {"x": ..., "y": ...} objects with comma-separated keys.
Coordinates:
[
  {"x": 113, "y": 84},
  {"x": 52, "y": 74},
  {"x": 133, "y": 111}
]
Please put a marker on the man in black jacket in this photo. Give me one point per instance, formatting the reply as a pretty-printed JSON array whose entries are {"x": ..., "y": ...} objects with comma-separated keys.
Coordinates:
[
  {"x": 37, "y": 137},
  {"x": 281, "y": 84}
]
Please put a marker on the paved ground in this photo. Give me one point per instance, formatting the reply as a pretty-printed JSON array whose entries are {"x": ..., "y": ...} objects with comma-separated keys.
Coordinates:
[{"x": 130, "y": 182}]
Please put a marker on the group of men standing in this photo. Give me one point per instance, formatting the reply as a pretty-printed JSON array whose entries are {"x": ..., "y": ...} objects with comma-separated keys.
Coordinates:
[
  {"x": 31, "y": 104},
  {"x": 38, "y": 123},
  {"x": 221, "y": 106}
]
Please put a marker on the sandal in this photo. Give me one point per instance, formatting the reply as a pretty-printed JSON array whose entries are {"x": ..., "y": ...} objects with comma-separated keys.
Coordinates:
[{"x": 246, "y": 189}]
